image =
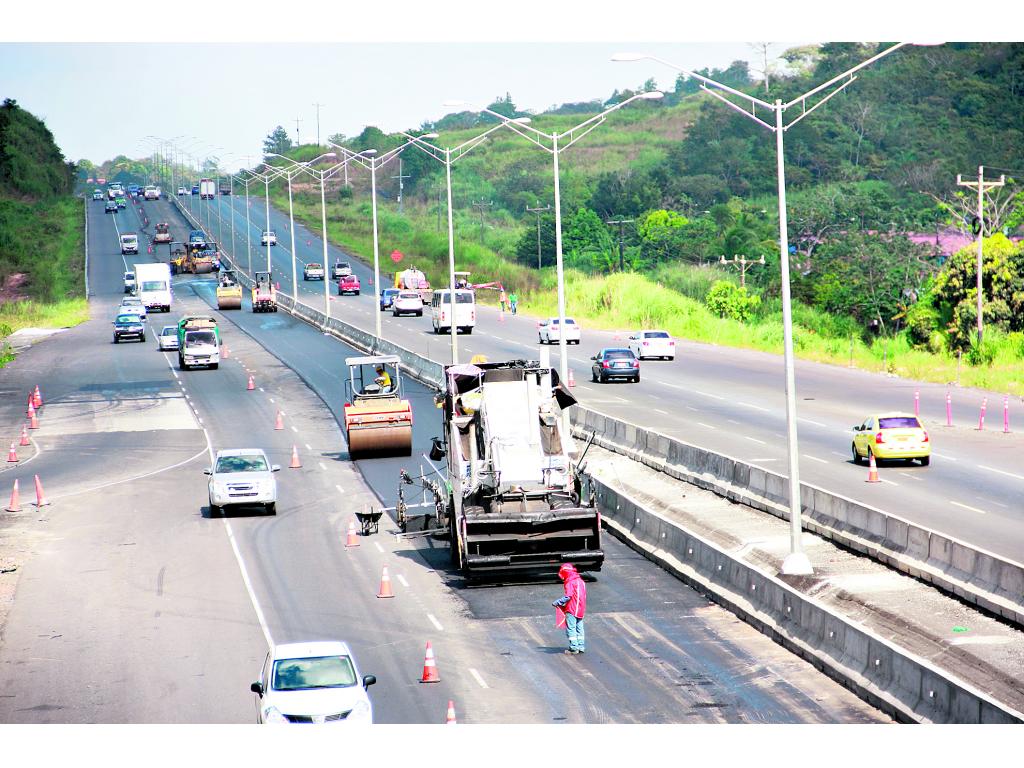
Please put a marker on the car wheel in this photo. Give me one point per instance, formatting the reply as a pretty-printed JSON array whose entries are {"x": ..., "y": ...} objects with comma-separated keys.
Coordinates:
[
  {"x": 636, "y": 378},
  {"x": 469, "y": 331},
  {"x": 216, "y": 511},
  {"x": 117, "y": 340},
  {"x": 926, "y": 460},
  {"x": 601, "y": 378},
  {"x": 856, "y": 456},
  {"x": 419, "y": 314},
  {"x": 214, "y": 366},
  {"x": 142, "y": 338},
  {"x": 357, "y": 293},
  {"x": 339, "y": 293},
  {"x": 271, "y": 508}
]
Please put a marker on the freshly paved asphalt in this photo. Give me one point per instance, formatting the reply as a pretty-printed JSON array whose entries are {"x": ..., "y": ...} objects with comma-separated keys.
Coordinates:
[
  {"x": 723, "y": 399},
  {"x": 135, "y": 606}
]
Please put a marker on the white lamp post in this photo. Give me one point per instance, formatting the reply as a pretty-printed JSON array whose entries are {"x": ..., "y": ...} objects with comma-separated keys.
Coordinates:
[
  {"x": 797, "y": 562},
  {"x": 573, "y": 134}
]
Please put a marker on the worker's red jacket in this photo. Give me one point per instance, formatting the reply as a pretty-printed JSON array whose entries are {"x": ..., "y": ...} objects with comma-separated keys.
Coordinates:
[{"x": 575, "y": 599}]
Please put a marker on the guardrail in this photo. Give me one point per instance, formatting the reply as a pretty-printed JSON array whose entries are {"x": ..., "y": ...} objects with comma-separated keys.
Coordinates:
[{"x": 977, "y": 576}]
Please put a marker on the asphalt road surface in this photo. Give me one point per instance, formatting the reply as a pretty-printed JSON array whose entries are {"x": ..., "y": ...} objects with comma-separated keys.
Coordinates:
[
  {"x": 135, "y": 606},
  {"x": 727, "y": 400}
]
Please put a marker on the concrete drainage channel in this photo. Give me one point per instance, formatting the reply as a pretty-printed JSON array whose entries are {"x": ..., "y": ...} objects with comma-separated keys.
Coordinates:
[{"x": 902, "y": 684}]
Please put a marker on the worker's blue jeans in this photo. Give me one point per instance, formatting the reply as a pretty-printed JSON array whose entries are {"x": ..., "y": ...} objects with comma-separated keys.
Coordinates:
[{"x": 574, "y": 631}]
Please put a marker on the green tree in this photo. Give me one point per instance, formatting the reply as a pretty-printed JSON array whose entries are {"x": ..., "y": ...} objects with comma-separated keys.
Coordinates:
[
  {"x": 661, "y": 235},
  {"x": 728, "y": 300},
  {"x": 588, "y": 241},
  {"x": 277, "y": 141}
]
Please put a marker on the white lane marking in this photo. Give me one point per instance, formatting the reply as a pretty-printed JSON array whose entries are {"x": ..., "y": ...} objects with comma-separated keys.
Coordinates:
[
  {"x": 296, "y": 429},
  {"x": 340, "y": 489},
  {"x": 272, "y": 399},
  {"x": 844, "y": 455},
  {"x": 248, "y": 585},
  {"x": 890, "y": 482},
  {"x": 625, "y": 625},
  {"x": 754, "y": 440},
  {"x": 658, "y": 410},
  {"x": 999, "y": 471},
  {"x": 811, "y": 421},
  {"x": 973, "y": 509},
  {"x": 758, "y": 407},
  {"x": 402, "y": 580},
  {"x": 261, "y": 388},
  {"x": 377, "y": 544},
  {"x": 308, "y": 446},
  {"x": 199, "y": 418},
  {"x": 708, "y": 426},
  {"x": 435, "y": 622},
  {"x": 691, "y": 408},
  {"x": 479, "y": 680},
  {"x": 912, "y": 477},
  {"x": 764, "y": 459},
  {"x": 815, "y": 458},
  {"x": 322, "y": 467},
  {"x": 733, "y": 421},
  {"x": 943, "y": 456},
  {"x": 705, "y": 394}
]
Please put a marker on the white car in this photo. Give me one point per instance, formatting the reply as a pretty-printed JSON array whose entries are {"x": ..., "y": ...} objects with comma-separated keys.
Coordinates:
[
  {"x": 646, "y": 344},
  {"x": 340, "y": 269},
  {"x": 313, "y": 271},
  {"x": 242, "y": 477},
  {"x": 167, "y": 338},
  {"x": 315, "y": 682},
  {"x": 129, "y": 282},
  {"x": 133, "y": 305},
  {"x": 181, "y": 191},
  {"x": 549, "y": 331},
  {"x": 268, "y": 238},
  {"x": 407, "y": 302}
]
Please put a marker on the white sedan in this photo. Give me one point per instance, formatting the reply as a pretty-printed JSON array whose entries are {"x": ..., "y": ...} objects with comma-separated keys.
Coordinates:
[
  {"x": 647, "y": 344},
  {"x": 133, "y": 305},
  {"x": 167, "y": 338},
  {"x": 242, "y": 477},
  {"x": 316, "y": 683},
  {"x": 549, "y": 331},
  {"x": 268, "y": 238},
  {"x": 407, "y": 302}
]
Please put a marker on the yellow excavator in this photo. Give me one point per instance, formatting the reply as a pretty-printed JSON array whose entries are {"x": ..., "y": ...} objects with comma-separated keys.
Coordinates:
[
  {"x": 229, "y": 291},
  {"x": 378, "y": 421}
]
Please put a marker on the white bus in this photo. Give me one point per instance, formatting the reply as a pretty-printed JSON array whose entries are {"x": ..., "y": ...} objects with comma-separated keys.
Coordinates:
[{"x": 441, "y": 310}]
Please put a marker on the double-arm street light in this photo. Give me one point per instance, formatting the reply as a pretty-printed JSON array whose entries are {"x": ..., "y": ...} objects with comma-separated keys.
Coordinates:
[
  {"x": 551, "y": 143},
  {"x": 797, "y": 562},
  {"x": 295, "y": 169}
]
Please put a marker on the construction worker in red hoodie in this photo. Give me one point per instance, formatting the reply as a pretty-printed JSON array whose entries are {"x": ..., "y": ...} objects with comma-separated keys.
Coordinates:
[{"x": 574, "y": 603}]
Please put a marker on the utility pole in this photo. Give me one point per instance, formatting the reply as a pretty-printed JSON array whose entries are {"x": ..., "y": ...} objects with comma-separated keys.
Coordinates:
[
  {"x": 982, "y": 186},
  {"x": 318, "y": 105},
  {"x": 440, "y": 193},
  {"x": 538, "y": 211},
  {"x": 401, "y": 185},
  {"x": 298, "y": 141},
  {"x": 482, "y": 206},
  {"x": 743, "y": 264},
  {"x": 621, "y": 223}
]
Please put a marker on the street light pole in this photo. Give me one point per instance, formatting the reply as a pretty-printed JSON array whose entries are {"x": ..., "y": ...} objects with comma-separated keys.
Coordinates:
[{"x": 797, "y": 562}]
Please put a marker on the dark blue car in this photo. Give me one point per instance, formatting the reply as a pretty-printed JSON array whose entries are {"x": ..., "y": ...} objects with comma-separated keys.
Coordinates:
[
  {"x": 615, "y": 363},
  {"x": 128, "y": 326},
  {"x": 195, "y": 189},
  {"x": 387, "y": 296}
]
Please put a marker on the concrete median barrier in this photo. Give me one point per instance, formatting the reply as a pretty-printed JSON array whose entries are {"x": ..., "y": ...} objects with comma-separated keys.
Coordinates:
[{"x": 979, "y": 577}]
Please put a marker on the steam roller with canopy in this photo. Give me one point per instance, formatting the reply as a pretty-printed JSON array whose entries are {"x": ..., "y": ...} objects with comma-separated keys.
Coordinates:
[{"x": 378, "y": 421}]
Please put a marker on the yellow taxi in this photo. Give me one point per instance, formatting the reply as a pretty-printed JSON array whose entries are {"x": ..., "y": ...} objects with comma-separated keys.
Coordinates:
[{"x": 891, "y": 436}]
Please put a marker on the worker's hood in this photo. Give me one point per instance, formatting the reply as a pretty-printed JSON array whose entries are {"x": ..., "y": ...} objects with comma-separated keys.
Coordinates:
[{"x": 566, "y": 570}]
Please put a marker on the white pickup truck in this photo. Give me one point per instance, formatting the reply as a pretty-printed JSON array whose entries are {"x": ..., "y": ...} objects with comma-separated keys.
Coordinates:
[
  {"x": 313, "y": 271},
  {"x": 151, "y": 192},
  {"x": 129, "y": 243}
]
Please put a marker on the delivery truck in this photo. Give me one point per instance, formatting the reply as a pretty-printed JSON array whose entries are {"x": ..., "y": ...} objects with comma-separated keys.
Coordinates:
[{"x": 153, "y": 284}]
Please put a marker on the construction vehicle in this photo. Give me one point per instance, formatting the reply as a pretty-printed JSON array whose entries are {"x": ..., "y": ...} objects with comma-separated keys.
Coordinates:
[
  {"x": 229, "y": 291},
  {"x": 510, "y": 502},
  {"x": 264, "y": 295},
  {"x": 178, "y": 255},
  {"x": 377, "y": 420},
  {"x": 413, "y": 279},
  {"x": 163, "y": 234},
  {"x": 200, "y": 261}
]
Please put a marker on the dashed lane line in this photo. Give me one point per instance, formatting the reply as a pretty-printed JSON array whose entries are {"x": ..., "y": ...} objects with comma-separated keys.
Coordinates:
[
  {"x": 707, "y": 426},
  {"x": 999, "y": 471},
  {"x": 705, "y": 394},
  {"x": 815, "y": 458},
  {"x": 972, "y": 509},
  {"x": 754, "y": 440},
  {"x": 402, "y": 581},
  {"x": 435, "y": 622},
  {"x": 811, "y": 421},
  {"x": 757, "y": 407},
  {"x": 379, "y": 547}
]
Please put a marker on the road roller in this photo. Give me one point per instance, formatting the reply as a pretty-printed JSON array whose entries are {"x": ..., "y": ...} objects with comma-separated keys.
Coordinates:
[
  {"x": 229, "y": 292},
  {"x": 378, "y": 421}
]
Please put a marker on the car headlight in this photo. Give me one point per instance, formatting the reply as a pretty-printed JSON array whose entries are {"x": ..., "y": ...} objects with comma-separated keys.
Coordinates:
[
  {"x": 361, "y": 711},
  {"x": 273, "y": 716}
]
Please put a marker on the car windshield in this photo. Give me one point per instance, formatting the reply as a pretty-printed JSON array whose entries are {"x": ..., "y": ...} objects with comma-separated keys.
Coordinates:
[
  {"x": 314, "y": 265},
  {"x": 390, "y": 291},
  {"x": 318, "y": 672},
  {"x": 195, "y": 338},
  {"x": 131, "y": 302},
  {"x": 899, "y": 422},
  {"x": 129, "y": 276},
  {"x": 614, "y": 354},
  {"x": 169, "y": 330},
  {"x": 154, "y": 285},
  {"x": 231, "y": 464},
  {"x": 408, "y": 296},
  {"x": 127, "y": 318},
  {"x": 656, "y": 335}
]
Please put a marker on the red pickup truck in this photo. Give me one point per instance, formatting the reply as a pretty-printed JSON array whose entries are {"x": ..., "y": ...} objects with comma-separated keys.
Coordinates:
[{"x": 348, "y": 284}]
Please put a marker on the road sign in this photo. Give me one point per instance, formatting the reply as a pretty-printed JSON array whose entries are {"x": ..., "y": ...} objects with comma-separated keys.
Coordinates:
[{"x": 396, "y": 256}]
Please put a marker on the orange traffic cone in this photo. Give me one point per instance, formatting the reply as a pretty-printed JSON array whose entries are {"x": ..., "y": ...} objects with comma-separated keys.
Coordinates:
[
  {"x": 12, "y": 457},
  {"x": 33, "y": 421},
  {"x": 352, "y": 540},
  {"x": 430, "y": 674},
  {"x": 24, "y": 436},
  {"x": 450, "y": 717},
  {"x": 872, "y": 469},
  {"x": 279, "y": 421},
  {"x": 227, "y": 354},
  {"x": 572, "y": 379},
  {"x": 15, "y": 503},
  {"x": 40, "y": 496},
  {"x": 385, "y": 584},
  {"x": 251, "y": 385},
  {"x": 31, "y": 408},
  {"x": 37, "y": 398},
  {"x": 295, "y": 463}
]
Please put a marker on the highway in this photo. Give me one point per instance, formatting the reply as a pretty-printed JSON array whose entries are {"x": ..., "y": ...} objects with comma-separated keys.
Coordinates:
[
  {"x": 724, "y": 399},
  {"x": 134, "y": 606}
]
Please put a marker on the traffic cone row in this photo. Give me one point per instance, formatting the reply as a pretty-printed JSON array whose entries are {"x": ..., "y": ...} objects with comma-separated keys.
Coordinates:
[
  {"x": 872, "y": 469},
  {"x": 31, "y": 411},
  {"x": 295, "y": 463}
]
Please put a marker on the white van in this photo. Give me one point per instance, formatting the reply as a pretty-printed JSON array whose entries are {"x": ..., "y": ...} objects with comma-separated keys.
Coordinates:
[
  {"x": 465, "y": 310},
  {"x": 129, "y": 243},
  {"x": 153, "y": 283}
]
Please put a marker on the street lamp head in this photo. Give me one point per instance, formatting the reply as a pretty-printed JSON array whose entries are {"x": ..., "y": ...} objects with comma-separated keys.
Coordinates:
[
  {"x": 650, "y": 95},
  {"x": 521, "y": 120},
  {"x": 428, "y": 136},
  {"x": 368, "y": 152},
  {"x": 455, "y": 103},
  {"x": 629, "y": 56}
]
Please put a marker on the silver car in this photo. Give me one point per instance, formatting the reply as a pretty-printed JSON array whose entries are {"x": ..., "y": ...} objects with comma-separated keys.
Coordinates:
[
  {"x": 167, "y": 338},
  {"x": 134, "y": 305},
  {"x": 242, "y": 477}
]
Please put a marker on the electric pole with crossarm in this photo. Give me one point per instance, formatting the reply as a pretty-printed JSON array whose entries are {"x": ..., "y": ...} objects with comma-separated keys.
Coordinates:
[
  {"x": 982, "y": 186},
  {"x": 538, "y": 210}
]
